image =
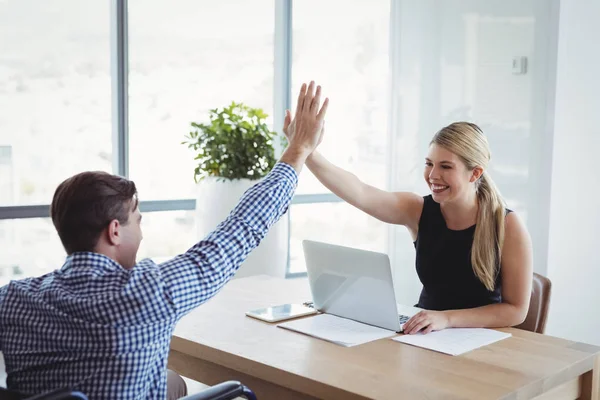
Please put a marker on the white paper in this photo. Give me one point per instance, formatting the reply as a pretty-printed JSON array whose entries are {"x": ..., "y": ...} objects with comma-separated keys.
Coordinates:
[
  {"x": 342, "y": 331},
  {"x": 454, "y": 341}
]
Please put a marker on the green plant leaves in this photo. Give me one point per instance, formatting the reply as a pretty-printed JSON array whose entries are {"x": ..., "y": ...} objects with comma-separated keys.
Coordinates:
[{"x": 236, "y": 144}]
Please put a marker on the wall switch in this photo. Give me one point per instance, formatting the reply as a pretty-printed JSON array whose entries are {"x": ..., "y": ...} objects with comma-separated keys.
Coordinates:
[{"x": 519, "y": 65}]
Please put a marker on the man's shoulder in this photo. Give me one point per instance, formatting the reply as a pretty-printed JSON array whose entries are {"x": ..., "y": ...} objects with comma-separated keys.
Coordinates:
[
  {"x": 147, "y": 265},
  {"x": 30, "y": 286},
  {"x": 33, "y": 282},
  {"x": 3, "y": 290},
  {"x": 147, "y": 272}
]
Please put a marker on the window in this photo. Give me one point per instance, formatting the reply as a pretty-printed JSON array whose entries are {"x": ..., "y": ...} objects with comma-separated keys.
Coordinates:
[
  {"x": 449, "y": 61},
  {"x": 167, "y": 234},
  {"x": 348, "y": 55},
  {"x": 184, "y": 60},
  {"x": 54, "y": 95},
  {"x": 338, "y": 223},
  {"x": 29, "y": 247}
]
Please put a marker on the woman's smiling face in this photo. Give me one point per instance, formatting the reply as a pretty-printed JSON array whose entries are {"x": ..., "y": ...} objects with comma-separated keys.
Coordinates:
[{"x": 447, "y": 175}]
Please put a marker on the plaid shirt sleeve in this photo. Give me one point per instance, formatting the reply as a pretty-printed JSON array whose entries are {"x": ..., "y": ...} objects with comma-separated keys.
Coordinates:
[
  {"x": 3, "y": 290},
  {"x": 194, "y": 277}
]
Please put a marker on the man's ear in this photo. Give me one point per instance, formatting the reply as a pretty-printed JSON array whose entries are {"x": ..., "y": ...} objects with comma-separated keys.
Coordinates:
[
  {"x": 476, "y": 174},
  {"x": 113, "y": 232}
]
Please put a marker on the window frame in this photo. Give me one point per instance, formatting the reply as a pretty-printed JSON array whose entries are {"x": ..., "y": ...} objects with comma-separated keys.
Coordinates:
[{"x": 119, "y": 56}]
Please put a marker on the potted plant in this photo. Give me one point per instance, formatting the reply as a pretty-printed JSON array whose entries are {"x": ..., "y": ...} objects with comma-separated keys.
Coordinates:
[
  {"x": 233, "y": 150},
  {"x": 235, "y": 144}
]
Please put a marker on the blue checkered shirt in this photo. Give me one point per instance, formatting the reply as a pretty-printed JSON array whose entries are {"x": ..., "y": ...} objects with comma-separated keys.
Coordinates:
[{"x": 105, "y": 330}]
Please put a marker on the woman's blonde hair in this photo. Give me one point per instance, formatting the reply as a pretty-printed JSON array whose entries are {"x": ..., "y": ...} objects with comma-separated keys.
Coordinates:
[{"x": 467, "y": 141}]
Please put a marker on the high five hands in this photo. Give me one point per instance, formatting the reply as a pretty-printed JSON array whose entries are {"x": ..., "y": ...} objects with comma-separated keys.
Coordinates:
[{"x": 305, "y": 130}]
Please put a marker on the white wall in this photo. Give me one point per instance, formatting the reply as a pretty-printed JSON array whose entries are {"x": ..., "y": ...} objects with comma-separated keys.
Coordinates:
[
  {"x": 452, "y": 61},
  {"x": 574, "y": 248}
]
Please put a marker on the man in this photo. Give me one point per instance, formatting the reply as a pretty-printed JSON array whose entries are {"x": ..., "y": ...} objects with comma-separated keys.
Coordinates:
[{"x": 102, "y": 323}]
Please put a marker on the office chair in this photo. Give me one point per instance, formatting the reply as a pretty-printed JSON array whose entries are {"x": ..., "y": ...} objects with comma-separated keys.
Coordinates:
[
  {"x": 223, "y": 391},
  {"x": 59, "y": 394},
  {"x": 538, "y": 305}
]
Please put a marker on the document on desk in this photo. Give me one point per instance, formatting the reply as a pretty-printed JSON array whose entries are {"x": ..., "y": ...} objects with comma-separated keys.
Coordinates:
[
  {"x": 454, "y": 341},
  {"x": 342, "y": 331}
]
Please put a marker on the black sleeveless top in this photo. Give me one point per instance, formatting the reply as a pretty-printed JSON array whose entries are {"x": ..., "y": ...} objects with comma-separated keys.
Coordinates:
[{"x": 444, "y": 265}]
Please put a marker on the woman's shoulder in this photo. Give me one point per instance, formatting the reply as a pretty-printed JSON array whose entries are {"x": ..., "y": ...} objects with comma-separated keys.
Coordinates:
[
  {"x": 430, "y": 215},
  {"x": 429, "y": 202},
  {"x": 514, "y": 224}
]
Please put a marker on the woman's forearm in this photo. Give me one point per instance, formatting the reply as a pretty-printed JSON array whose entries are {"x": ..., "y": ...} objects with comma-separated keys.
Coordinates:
[
  {"x": 344, "y": 184},
  {"x": 491, "y": 316}
]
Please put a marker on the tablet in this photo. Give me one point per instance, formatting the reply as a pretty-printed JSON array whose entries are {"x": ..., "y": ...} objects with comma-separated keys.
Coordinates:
[{"x": 281, "y": 312}]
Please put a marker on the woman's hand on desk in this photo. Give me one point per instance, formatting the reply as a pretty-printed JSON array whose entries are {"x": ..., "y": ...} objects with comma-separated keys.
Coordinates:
[{"x": 426, "y": 321}]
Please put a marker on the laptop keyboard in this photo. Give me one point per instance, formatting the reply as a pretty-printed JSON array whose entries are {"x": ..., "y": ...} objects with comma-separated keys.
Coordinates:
[{"x": 401, "y": 318}]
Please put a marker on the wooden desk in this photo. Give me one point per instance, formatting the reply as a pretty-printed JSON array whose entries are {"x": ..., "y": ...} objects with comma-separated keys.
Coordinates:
[{"x": 217, "y": 342}]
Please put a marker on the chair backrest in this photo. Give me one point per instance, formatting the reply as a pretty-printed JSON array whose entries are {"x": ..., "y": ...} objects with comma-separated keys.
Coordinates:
[
  {"x": 6, "y": 394},
  {"x": 60, "y": 394},
  {"x": 223, "y": 391},
  {"x": 538, "y": 305}
]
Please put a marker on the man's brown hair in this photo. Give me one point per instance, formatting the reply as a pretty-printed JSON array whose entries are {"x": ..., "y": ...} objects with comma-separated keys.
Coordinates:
[{"x": 84, "y": 205}]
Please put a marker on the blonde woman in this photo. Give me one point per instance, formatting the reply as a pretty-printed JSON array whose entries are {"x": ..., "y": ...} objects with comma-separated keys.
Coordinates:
[{"x": 473, "y": 256}]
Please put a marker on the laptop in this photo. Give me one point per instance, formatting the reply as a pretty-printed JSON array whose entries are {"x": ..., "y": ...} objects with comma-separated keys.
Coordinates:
[{"x": 354, "y": 284}]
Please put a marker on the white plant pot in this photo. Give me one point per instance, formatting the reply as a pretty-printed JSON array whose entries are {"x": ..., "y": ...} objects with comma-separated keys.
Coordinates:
[{"x": 214, "y": 203}]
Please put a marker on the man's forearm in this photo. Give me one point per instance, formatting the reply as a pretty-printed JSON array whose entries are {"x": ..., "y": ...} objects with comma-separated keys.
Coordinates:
[
  {"x": 295, "y": 157},
  {"x": 344, "y": 184},
  {"x": 196, "y": 276}
]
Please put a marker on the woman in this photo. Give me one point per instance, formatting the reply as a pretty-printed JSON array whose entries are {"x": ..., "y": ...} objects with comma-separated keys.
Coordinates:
[{"x": 473, "y": 256}]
